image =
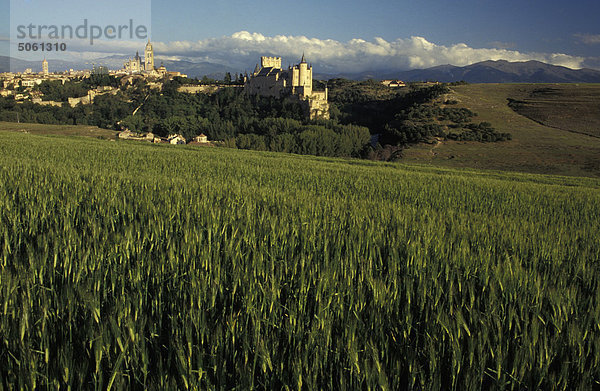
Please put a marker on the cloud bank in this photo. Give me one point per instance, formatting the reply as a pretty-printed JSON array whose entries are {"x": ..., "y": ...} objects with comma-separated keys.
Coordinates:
[{"x": 242, "y": 49}]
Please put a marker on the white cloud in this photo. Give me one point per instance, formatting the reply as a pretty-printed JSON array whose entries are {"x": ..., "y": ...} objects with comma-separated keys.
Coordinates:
[
  {"x": 244, "y": 48},
  {"x": 588, "y": 39}
]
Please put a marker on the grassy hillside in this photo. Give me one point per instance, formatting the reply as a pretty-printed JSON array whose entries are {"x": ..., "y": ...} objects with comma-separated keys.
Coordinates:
[
  {"x": 140, "y": 266},
  {"x": 534, "y": 148},
  {"x": 58, "y": 130},
  {"x": 575, "y": 108}
]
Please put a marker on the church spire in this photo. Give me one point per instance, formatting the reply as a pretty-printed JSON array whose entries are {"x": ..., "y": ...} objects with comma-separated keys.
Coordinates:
[{"x": 303, "y": 61}]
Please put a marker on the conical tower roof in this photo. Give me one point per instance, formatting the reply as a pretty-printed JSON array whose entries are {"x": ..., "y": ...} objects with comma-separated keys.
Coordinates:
[{"x": 303, "y": 61}]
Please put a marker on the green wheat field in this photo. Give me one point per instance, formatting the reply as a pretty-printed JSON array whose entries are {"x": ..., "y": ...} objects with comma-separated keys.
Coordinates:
[{"x": 138, "y": 266}]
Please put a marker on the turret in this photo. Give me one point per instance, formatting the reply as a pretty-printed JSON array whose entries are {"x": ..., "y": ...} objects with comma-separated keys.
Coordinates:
[
  {"x": 303, "y": 67},
  {"x": 305, "y": 76}
]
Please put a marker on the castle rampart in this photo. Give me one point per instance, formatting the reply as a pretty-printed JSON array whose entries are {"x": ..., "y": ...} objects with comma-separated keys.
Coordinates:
[{"x": 270, "y": 62}]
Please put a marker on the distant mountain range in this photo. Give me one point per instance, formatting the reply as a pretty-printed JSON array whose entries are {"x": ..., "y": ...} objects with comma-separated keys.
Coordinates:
[
  {"x": 500, "y": 71},
  {"x": 6, "y": 63}
]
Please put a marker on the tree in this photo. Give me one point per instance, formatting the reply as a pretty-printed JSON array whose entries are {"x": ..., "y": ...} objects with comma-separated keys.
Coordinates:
[
  {"x": 133, "y": 123},
  {"x": 207, "y": 80}
]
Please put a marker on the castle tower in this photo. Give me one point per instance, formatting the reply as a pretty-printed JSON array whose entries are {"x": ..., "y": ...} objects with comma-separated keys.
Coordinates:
[
  {"x": 45, "y": 67},
  {"x": 305, "y": 77},
  {"x": 303, "y": 69},
  {"x": 149, "y": 57}
]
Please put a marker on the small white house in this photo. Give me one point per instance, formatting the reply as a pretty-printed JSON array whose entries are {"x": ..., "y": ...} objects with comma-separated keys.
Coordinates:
[
  {"x": 201, "y": 138},
  {"x": 176, "y": 139},
  {"x": 393, "y": 83}
]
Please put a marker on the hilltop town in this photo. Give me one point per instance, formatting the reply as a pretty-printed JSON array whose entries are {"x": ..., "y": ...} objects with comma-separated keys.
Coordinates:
[
  {"x": 292, "y": 87},
  {"x": 269, "y": 79},
  {"x": 21, "y": 85}
]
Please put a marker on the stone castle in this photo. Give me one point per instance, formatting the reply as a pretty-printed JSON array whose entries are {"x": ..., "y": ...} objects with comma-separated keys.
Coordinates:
[{"x": 271, "y": 80}]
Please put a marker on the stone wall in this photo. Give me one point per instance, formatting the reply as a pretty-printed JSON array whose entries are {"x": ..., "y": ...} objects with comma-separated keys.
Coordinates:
[
  {"x": 39, "y": 101},
  {"x": 206, "y": 89},
  {"x": 198, "y": 89}
]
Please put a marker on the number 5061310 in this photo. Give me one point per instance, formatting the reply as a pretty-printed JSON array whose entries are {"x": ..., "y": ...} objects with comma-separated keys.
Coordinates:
[{"x": 42, "y": 46}]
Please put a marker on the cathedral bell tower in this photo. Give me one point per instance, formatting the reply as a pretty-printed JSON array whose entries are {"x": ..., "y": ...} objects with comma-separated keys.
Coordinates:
[{"x": 149, "y": 57}]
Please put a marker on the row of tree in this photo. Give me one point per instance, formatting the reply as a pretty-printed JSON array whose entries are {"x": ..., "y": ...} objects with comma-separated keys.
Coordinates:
[
  {"x": 327, "y": 139},
  {"x": 56, "y": 90},
  {"x": 229, "y": 115},
  {"x": 407, "y": 116},
  {"x": 482, "y": 132}
]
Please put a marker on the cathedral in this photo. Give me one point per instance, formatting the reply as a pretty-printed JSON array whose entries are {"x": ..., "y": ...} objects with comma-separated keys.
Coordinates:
[
  {"x": 271, "y": 80},
  {"x": 136, "y": 65}
]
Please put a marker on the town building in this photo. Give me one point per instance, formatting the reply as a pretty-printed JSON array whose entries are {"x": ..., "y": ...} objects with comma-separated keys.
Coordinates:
[
  {"x": 45, "y": 67},
  {"x": 393, "y": 83},
  {"x": 201, "y": 138},
  {"x": 176, "y": 139},
  {"x": 28, "y": 83}
]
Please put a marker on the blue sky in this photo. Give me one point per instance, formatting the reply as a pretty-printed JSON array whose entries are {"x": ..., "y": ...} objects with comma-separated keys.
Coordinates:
[
  {"x": 349, "y": 35},
  {"x": 530, "y": 25}
]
